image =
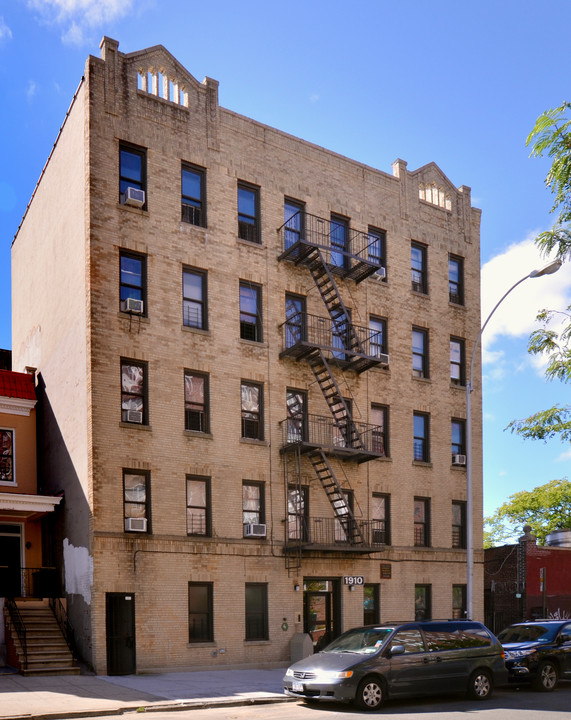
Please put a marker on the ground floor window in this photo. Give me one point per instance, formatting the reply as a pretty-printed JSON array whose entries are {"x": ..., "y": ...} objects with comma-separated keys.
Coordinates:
[
  {"x": 371, "y": 608},
  {"x": 422, "y": 602},
  {"x": 256, "y": 611},
  {"x": 200, "y": 625}
]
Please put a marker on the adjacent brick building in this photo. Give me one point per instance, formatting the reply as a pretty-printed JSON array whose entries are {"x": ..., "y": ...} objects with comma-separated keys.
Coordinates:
[{"x": 252, "y": 357}]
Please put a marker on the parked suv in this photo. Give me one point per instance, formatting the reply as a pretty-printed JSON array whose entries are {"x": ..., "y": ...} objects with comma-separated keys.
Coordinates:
[
  {"x": 367, "y": 665},
  {"x": 538, "y": 652}
]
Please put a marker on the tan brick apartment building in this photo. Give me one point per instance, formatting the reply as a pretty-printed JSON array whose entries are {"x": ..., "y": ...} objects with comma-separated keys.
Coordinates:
[{"x": 252, "y": 354}]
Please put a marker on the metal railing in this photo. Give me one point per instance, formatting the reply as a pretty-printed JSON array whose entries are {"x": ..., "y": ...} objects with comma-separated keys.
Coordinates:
[
  {"x": 29, "y": 582},
  {"x": 60, "y": 614},
  {"x": 20, "y": 629},
  {"x": 329, "y": 533},
  {"x": 322, "y": 431}
]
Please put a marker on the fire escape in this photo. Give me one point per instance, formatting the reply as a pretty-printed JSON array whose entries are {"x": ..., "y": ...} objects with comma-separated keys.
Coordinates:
[{"x": 328, "y": 251}]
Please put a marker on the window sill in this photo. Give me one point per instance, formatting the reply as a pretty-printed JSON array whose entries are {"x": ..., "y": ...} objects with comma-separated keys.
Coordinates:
[
  {"x": 254, "y": 441},
  {"x": 422, "y": 379},
  {"x": 257, "y": 642},
  {"x": 8, "y": 483},
  {"x": 249, "y": 243},
  {"x": 198, "y": 434},
  {"x": 458, "y": 306},
  {"x": 458, "y": 386},
  {"x": 202, "y": 643},
  {"x": 253, "y": 343},
  {"x": 422, "y": 463},
  {"x": 419, "y": 293},
  {"x": 133, "y": 317},
  {"x": 144, "y": 212},
  {"x": 136, "y": 426},
  {"x": 190, "y": 329}
]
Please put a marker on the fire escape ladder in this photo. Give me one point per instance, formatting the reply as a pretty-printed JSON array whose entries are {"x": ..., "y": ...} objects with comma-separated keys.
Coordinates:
[
  {"x": 348, "y": 433},
  {"x": 342, "y": 325},
  {"x": 293, "y": 558},
  {"x": 336, "y": 497}
]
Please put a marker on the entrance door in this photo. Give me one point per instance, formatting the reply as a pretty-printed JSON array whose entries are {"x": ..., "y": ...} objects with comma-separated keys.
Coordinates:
[
  {"x": 321, "y": 611},
  {"x": 120, "y": 618},
  {"x": 10, "y": 561}
]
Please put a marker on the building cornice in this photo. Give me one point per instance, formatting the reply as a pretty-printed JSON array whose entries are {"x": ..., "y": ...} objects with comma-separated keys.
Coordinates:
[
  {"x": 16, "y": 406},
  {"x": 27, "y": 504}
]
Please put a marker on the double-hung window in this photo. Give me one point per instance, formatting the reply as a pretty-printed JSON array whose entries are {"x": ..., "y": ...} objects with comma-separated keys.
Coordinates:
[
  {"x": 7, "y": 456},
  {"x": 420, "y": 353},
  {"x": 459, "y": 602},
  {"x": 298, "y": 512},
  {"x": 377, "y": 336},
  {"x": 296, "y": 320},
  {"x": 380, "y": 511},
  {"x": 136, "y": 500},
  {"x": 133, "y": 281},
  {"x": 198, "y": 521},
  {"x": 458, "y": 524},
  {"x": 253, "y": 501},
  {"x": 457, "y": 361},
  {"x": 458, "y": 434},
  {"x": 421, "y": 522},
  {"x": 380, "y": 430},
  {"x": 252, "y": 401},
  {"x": 456, "y": 279},
  {"x": 297, "y": 418},
  {"x": 248, "y": 213},
  {"x": 200, "y": 612},
  {"x": 193, "y": 205},
  {"x": 250, "y": 311},
  {"x": 422, "y": 602},
  {"x": 339, "y": 234},
  {"x": 294, "y": 216},
  {"x": 132, "y": 175},
  {"x": 194, "y": 299},
  {"x": 256, "y": 611},
  {"x": 418, "y": 268},
  {"x": 134, "y": 392},
  {"x": 377, "y": 250},
  {"x": 196, "y": 402},
  {"x": 421, "y": 437}
]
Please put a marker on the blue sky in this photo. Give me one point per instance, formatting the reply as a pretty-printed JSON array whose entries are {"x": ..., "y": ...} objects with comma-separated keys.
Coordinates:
[{"x": 460, "y": 84}]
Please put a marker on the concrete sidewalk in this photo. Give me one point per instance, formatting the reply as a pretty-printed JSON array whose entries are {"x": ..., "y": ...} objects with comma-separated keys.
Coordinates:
[{"x": 62, "y": 696}]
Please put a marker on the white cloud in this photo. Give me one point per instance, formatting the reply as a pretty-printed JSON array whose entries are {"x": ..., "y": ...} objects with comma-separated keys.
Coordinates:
[
  {"x": 78, "y": 17},
  {"x": 564, "y": 457},
  {"x": 5, "y": 32},
  {"x": 516, "y": 315}
]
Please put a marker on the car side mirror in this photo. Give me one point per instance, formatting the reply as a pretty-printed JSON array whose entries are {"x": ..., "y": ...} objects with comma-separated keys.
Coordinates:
[{"x": 396, "y": 650}]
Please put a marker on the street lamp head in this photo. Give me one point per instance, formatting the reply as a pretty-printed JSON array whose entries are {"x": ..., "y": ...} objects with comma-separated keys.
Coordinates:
[{"x": 549, "y": 269}]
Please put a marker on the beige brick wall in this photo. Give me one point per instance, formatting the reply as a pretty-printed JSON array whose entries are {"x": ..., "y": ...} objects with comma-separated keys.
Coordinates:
[{"x": 158, "y": 567}]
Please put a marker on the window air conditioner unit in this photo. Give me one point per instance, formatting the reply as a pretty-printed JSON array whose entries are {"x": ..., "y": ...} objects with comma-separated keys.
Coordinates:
[
  {"x": 252, "y": 530},
  {"x": 458, "y": 459},
  {"x": 134, "y": 197},
  {"x": 383, "y": 358},
  {"x": 381, "y": 274},
  {"x": 136, "y": 524},
  {"x": 132, "y": 305},
  {"x": 134, "y": 416}
]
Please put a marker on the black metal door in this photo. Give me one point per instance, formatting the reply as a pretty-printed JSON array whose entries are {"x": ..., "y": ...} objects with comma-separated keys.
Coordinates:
[
  {"x": 10, "y": 567},
  {"x": 120, "y": 619}
]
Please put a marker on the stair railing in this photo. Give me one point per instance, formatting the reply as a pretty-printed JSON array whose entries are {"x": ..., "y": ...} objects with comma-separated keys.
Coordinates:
[
  {"x": 60, "y": 614},
  {"x": 20, "y": 628}
]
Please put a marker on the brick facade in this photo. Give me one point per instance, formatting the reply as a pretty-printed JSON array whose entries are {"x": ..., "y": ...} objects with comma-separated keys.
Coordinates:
[{"x": 68, "y": 323}]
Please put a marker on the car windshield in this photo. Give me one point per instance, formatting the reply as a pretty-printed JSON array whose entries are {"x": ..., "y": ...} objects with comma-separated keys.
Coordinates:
[
  {"x": 360, "y": 640},
  {"x": 528, "y": 633}
]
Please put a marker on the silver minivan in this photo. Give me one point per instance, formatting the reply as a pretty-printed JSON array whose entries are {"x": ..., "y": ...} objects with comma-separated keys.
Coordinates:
[{"x": 367, "y": 665}]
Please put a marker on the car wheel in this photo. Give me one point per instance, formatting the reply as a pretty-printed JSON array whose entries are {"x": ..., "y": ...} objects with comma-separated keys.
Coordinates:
[
  {"x": 547, "y": 677},
  {"x": 480, "y": 685},
  {"x": 370, "y": 694}
]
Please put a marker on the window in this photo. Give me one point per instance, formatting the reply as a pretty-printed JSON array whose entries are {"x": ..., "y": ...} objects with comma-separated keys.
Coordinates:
[
  {"x": 421, "y": 522},
  {"x": 256, "y": 611},
  {"x": 377, "y": 336},
  {"x": 371, "y": 609},
  {"x": 298, "y": 512},
  {"x": 193, "y": 206},
  {"x": 421, "y": 428},
  {"x": 132, "y": 170},
  {"x": 248, "y": 213},
  {"x": 198, "y": 506},
  {"x": 252, "y": 395},
  {"x": 459, "y": 602},
  {"x": 134, "y": 402},
  {"x": 457, "y": 361},
  {"x": 200, "y": 613},
  {"x": 296, "y": 404},
  {"x": 422, "y": 602},
  {"x": 458, "y": 524},
  {"x": 458, "y": 437},
  {"x": 196, "y": 401},
  {"x": 411, "y": 640},
  {"x": 250, "y": 311},
  {"x": 456, "y": 279},
  {"x": 420, "y": 353},
  {"x": 194, "y": 296},
  {"x": 296, "y": 320},
  {"x": 380, "y": 434},
  {"x": 7, "y": 456},
  {"x": 339, "y": 232},
  {"x": 377, "y": 250},
  {"x": 380, "y": 511},
  {"x": 418, "y": 268},
  {"x": 133, "y": 279},
  {"x": 294, "y": 216},
  {"x": 136, "y": 505},
  {"x": 253, "y": 503},
  {"x": 343, "y": 428},
  {"x": 341, "y": 334},
  {"x": 343, "y": 530}
]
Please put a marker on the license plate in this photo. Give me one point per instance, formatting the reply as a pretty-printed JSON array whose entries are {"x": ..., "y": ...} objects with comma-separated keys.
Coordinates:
[{"x": 297, "y": 686}]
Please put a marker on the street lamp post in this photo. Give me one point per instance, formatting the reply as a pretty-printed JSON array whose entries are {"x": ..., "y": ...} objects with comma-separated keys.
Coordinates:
[{"x": 549, "y": 269}]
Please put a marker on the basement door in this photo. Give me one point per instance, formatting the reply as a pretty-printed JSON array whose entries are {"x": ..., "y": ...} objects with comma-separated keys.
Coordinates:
[
  {"x": 120, "y": 622},
  {"x": 10, "y": 561}
]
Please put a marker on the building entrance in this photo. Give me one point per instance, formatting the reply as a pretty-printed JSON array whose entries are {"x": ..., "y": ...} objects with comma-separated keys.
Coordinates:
[
  {"x": 10, "y": 561},
  {"x": 321, "y": 610}
]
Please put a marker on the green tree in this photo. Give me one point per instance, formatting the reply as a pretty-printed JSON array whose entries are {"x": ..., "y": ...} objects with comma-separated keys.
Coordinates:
[
  {"x": 545, "y": 508},
  {"x": 551, "y": 136}
]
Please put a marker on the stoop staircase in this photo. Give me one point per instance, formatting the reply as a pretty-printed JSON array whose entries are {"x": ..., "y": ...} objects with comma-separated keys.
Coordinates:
[{"x": 47, "y": 650}]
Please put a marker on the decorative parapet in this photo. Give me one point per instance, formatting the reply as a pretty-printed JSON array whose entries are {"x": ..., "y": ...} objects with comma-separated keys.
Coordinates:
[
  {"x": 156, "y": 82},
  {"x": 430, "y": 192}
]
